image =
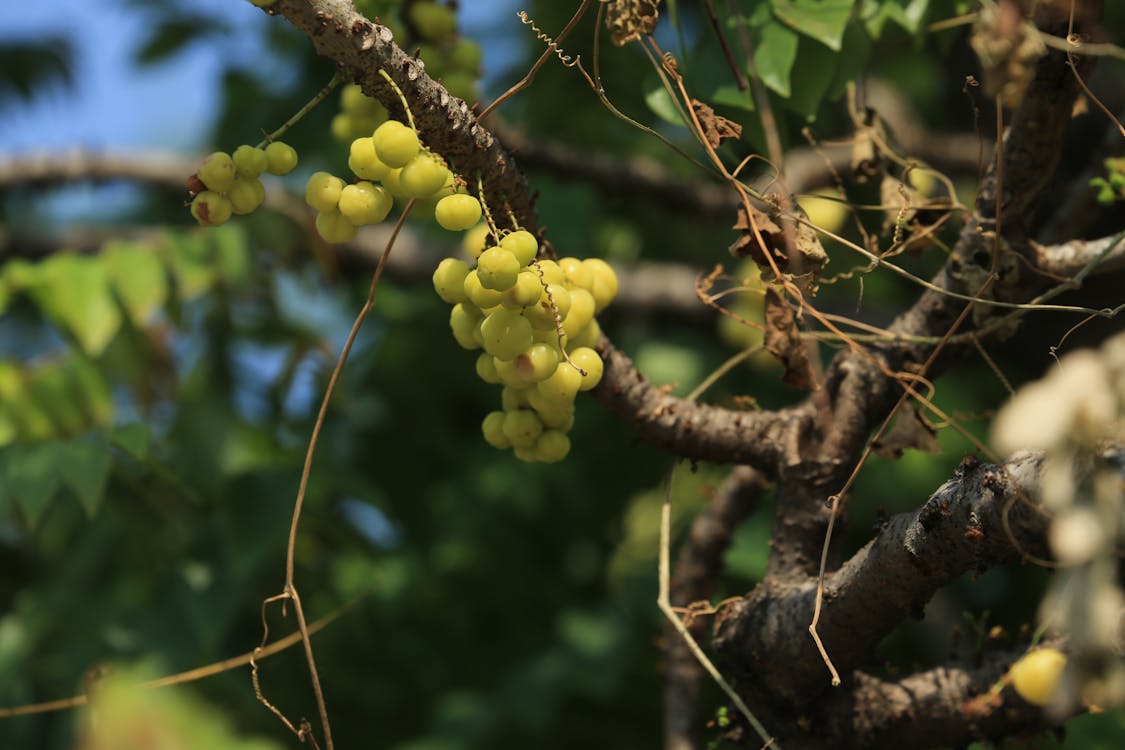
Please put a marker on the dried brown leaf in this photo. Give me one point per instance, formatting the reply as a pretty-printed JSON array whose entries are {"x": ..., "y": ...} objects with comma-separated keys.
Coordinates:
[
  {"x": 802, "y": 266},
  {"x": 783, "y": 340},
  {"x": 716, "y": 128},
  {"x": 910, "y": 430},
  {"x": 629, "y": 20}
]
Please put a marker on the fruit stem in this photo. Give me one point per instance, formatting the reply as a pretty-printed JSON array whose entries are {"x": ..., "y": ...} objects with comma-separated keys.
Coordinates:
[
  {"x": 401, "y": 98},
  {"x": 337, "y": 79},
  {"x": 484, "y": 207}
]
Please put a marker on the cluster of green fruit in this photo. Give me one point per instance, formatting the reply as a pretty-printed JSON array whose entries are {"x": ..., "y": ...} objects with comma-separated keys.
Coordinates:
[
  {"x": 390, "y": 163},
  {"x": 534, "y": 320},
  {"x": 228, "y": 183},
  {"x": 429, "y": 29}
]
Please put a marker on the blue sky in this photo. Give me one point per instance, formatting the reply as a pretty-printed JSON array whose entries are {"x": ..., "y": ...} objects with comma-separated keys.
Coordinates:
[{"x": 115, "y": 106}]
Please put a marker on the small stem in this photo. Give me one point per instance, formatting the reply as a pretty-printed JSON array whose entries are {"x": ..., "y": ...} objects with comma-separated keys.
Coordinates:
[
  {"x": 321, "y": 95},
  {"x": 401, "y": 98}
]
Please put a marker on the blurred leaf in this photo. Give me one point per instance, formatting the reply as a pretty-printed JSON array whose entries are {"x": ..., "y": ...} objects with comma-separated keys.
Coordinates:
[
  {"x": 88, "y": 461},
  {"x": 822, "y": 20},
  {"x": 33, "y": 474},
  {"x": 729, "y": 95},
  {"x": 908, "y": 14},
  {"x": 27, "y": 67},
  {"x": 133, "y": 438},
  {"x": 74, "y": 291},
  {"x": 231, "y": 253},
  {"x": 138, "y": 277},
  {"x": 774, "y": 56},
  {"x": 661, "y": 103},
  {"x": 169, "y": 37},
  {"x": 191, "y": 263},
  {"x": 811, "y": 78}
]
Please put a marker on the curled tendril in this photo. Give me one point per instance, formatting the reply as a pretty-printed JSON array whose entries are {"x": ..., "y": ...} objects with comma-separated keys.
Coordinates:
[{"x": 568, "y": 61}]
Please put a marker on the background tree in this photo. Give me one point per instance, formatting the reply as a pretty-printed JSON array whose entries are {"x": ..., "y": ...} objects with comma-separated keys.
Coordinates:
[{"x": 161, "y": 380}]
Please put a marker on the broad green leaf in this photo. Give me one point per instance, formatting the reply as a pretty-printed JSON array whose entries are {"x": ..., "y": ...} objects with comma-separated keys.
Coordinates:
[
  {"x": 133, "y": 438},
  {"x": 74, "y": 291},
  {"x": 21, "y": 274},
  {"x": 91, "y": 390},
  {"x": 88, "y": 461},
  {"x": 852, "y": 61},
  {"x": 139, "y": 279},
  {"x": 729, "y": 95},
  {"x": 822, "y": 20},
  {"x": 812, "y": 77},
  {"x": 33, "y": 476},
  {"x": 191, "y": 263},
  {"x": 774, "y": 56},
  {"x": 660, "y": 102},
  {"x": 8, "y": 427},
  {"x": 908, "y": 14},
  {"x": 49, "y": 386},
  {"x": 5, "y": 296},
  {"x": 231, "y": 253}
]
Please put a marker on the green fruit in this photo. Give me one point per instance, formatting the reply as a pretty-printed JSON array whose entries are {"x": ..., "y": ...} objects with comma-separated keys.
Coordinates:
[
  {"x": 580, "y": 314},
  {"x": 486, "y": 368},
  {"x": 563, "y": 385},
  {"x": 551, "y": 446},
  {"x": 449, "y": 280},
  {"x": 506, "y": 334},
  {"x": 334, "y": 227},
  {"x": 473, "y": 241},
  {"x": 364, "y": 162},
  {"x": 522, "y": 427},
  {"x": 526, "y": 291},
  {"x": 551, "y": 272},
  {"x": 464, "y": 321},
  {"x": 588, "y": 360},
  {"x": 457, "y": 212},
  {"x": 538, "y": 363},
  {"x": 423, "y": 176},
  {"x": 281, "y": 158},
  {"x": 217, "y": 172},
  {"x": 493, "y": 429},
  {"x": 249, "y": 161},
  {"x": 478, "y": 295},
  {"x": 323, "y": 190},
  {"x": 364, "y": 203},
  {"x": 555, "y": 298},
  {"x": 211, "y": 209},
  {"x": 246, "y": 194},
  {"x": 465, "y": 55},
  {"x": 1036, "y": 675},
  {"x": 604, "y": 287},
  {"x": 521, "y": 244},
  {"x": 514, "y": 397},
  {"x": 497, "y": 269},
  {"x": 432, "y": 21},
  {"x": 395, "y": 143}
]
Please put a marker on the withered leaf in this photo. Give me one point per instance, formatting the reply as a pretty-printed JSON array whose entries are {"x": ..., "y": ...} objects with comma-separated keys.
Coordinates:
[
  {"x": 628, "y": 20},
  {"x": 716, "y": 128},
  {"x": 910, "y": 430},
  {"x": 783, "y": 340},
  {"x": 802, "y": 265}
]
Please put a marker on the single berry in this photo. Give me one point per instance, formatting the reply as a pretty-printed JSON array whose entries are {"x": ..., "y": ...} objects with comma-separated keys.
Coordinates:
[
  {"x": 588, "y": 360},
  {"x": 521, "y": 244},
  {"x": 217, "y": 172},
  {"x": 246, "y": 194},
  {"x": 493, "y": 429},
  {"x": 249, "y": 161},
  {"x": 433, "y": 22},
  {"x": 449, "y": 280},
  {"x": 395, "y": 143},
  {"x": 457, "y": 212},
  {"x": 1036, "y": 675},
  {"x": 364, "y": 203},
  {"x": 211, "y": 209},
  {"x": 423, "y": 176},
  {"x": 334, "y": 227},
  {"x": 498, "y": 269},
  {"x": 281, "y": 158},
  {"x": 505, "y": 334},
  {"x": 323, "y": 190}
]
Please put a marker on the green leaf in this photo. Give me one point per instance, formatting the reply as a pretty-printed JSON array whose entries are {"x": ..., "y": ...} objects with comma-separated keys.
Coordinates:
[
  {"x": 908, "y": 14},
  {"x": 133, "y": 438},
  {"x": 774, "y": 56},
  {"x": 852, "y": 61},
  {"x": 660, "y": 102},
  {"x": 139, "y": 279},
  {"x": 74, "y": 291},
  {"x": 31, "y": 66},
  {"x": 88, "y": 461},
  {"x": 822, "y": 20},
  {"x": 729, "y": 95},
  {"x": 33, "y": 476},
  {"x": 812, "y": 78},
  {"x": 191, "y": 263},
  {"x": 172, "y": 36},
  {"x": 231, "y": 253}
]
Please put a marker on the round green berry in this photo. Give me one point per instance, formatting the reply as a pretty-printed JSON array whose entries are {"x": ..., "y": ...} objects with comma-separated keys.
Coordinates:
[
  {"x": 486, "y": 368},
  {"x": 522, "y": 427},
  {"x": 588, "y": 360},
  {"x": 334, "y": 227},
  {"x": 493, "y": 429},
  {"x": 580, "y": 314},
  {"x": 465, "y": 55},
  {"x": 395, "y": 143},
  {"x": 246, "y": 194},
  {"x": 604, "y": 285},
  {"x": 563, "y": 385},
  {"x": 449, "y": 280},
  {"x": 457, "y": 212},
  {"x": 433, "y": 22},
  {"x": 478, "y": 294},
  {"x": 211, "y": 209},
  {"x": 551, "y": 446},
  {"x": 521, "y": 244},
  {"x": 537, "y": 363},
  {"x": 423, "y": 176},
  {"x": 497, "y": 269},
  {"x": 364, "y": 162},
  {"x": 217, "y": 172},
  {"x": 249, "y": 161},
  {"x": 364, "y": 203},
  {"x": 505, "y": 334},
  {"x": 464, "y": 321},
  {"x": 526, "y": 291},
  {"x": 323, "y": 190},
  {"x": 281, "y": 158}
]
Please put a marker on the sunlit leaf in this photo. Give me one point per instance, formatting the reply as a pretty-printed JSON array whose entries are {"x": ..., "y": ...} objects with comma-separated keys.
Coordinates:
[
  {"x": 231, "y": 254},
  {"x": 908, "y": 14},
  {"x": 822, "y": 20},
  {"x": 138, "y": 277},
  {"x": 33, "y": 474},
  {"x": 191, "y": 264},
  {"x": 661, "y": 103},
  {"x": 774, "y": 56},
  {"x": 74, "y": 291}
]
